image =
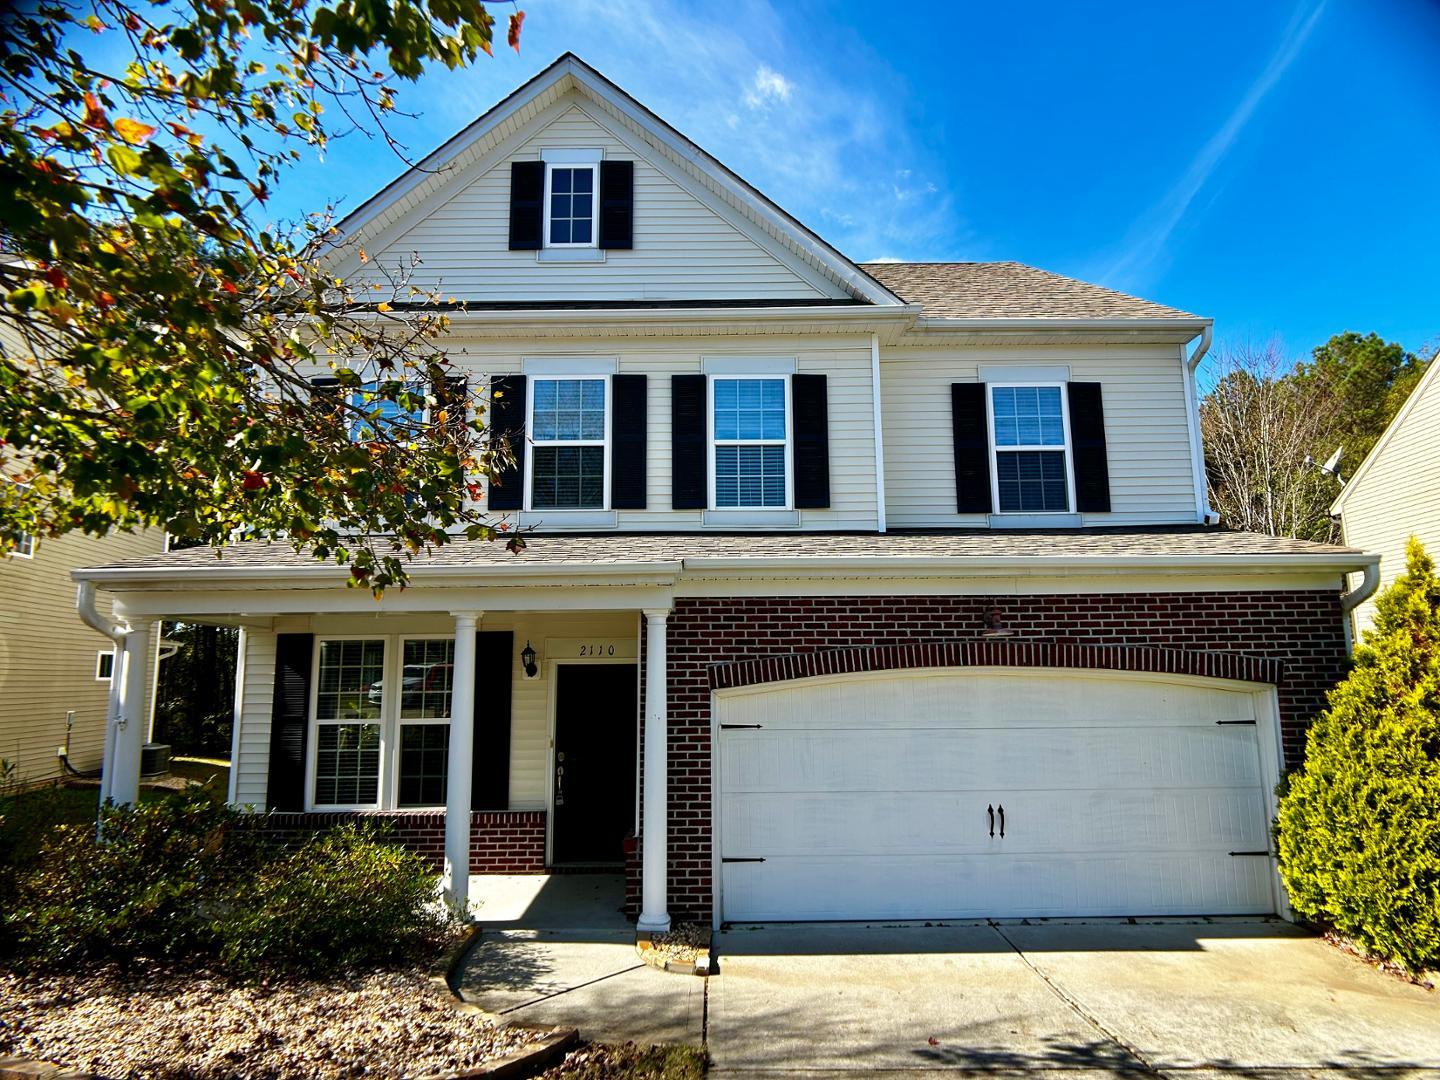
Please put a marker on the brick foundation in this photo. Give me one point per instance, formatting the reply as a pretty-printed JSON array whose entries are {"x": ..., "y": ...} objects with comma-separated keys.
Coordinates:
[
  {"x": 501, "y": 842},
  {"x": 1294, "y": 639}
]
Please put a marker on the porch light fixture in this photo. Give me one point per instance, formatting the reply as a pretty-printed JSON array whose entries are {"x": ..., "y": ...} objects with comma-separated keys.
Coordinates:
[{"x": 527, "y": 660}]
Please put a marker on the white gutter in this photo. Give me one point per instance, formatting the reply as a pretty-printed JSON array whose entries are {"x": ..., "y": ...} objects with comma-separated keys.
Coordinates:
[
  {"x": 121, "y": 574},
  {"x": 1207, "y": 335},
  {"x": 91, "y": 617},
  {"x": 1366, "y": 589},
  {"x": 879, "y": 433},
  {"x": 1204, "y": 514},
  {"x": 844, "y": 311},
  {"x": 960, "y": 565},
  {"x": 940, "y": 322}
]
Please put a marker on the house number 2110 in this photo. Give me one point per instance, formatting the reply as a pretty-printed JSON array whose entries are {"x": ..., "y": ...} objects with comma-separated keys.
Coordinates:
[{"x": 596, "y": 650}]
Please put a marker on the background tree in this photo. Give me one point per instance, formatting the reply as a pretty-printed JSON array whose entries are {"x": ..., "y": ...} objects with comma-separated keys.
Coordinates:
[
  {"x": 195, "y": 690},
  {"x": 1258, "y": 424},
  {"x": 1265, "y": 415},
  {"x": 1359, "y": 825},
  {"x": 156, "y": 336}
]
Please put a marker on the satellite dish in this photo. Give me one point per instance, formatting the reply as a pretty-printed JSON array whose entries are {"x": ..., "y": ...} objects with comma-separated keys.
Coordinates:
[{"x": 1332, "y": 464}]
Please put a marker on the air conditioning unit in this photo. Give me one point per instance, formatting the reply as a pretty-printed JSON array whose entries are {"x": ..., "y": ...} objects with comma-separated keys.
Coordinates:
[{"x": 155, "y": 759}]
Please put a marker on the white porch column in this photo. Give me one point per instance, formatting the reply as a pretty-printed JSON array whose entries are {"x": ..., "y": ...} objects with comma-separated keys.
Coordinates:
[
  {"x": 458, "y": 781},
  {"x": 131, "y": 723},
  {"x": 654, "y": 847}
]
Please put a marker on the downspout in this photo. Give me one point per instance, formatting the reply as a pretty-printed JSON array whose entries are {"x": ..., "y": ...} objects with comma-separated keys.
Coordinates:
[
  {"x": 1354, "y": 598},
  {"x": 1203, "y": 511},
  {"x": 116, "y": 632},
  {"x": 879, "y": 433}
]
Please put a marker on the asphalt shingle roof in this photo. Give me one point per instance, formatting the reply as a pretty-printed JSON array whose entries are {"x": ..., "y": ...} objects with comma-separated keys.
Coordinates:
[
  {"x": 619, "y": 549},
  {"x": 1009, "y": 290}
]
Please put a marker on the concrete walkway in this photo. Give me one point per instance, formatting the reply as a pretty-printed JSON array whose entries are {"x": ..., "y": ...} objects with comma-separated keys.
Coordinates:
[
  {"x": 558, "y": 950},
  {"x": 1064, "y": 999}
]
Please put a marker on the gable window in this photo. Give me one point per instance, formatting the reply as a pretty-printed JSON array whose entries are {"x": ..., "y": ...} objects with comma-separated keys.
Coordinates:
[
  {"x": 751, "y": 442},
  {"x": 568, "y": 427},
  {"x": 1031, "y": 444},
  {"x": 570, "y": 205}
]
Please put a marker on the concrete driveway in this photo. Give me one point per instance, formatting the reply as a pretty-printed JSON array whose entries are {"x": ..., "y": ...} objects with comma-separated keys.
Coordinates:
[{"x": 1062, "y": 998}]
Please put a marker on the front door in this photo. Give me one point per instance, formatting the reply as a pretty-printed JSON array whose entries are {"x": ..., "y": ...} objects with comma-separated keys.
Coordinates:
[{"x": 595, "y": 720}]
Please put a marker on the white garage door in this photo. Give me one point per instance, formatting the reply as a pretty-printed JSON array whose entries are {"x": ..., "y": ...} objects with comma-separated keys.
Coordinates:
[{"x": 875, "y": 796}]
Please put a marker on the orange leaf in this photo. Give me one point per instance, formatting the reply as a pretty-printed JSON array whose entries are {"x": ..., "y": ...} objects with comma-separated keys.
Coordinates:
[
  {"x": 515, "y": 22},
  {"x": 133, "y": 132},
  {"x": 94, "y": 114}
]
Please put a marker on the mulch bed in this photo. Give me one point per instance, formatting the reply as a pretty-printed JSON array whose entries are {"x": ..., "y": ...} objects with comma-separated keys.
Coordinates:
[{"x": 152, "y": 1023}]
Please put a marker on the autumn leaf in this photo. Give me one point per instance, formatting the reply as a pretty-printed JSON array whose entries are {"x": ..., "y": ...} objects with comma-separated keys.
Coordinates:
[
  {"x": 382, "y": 307},
  {"x": 133, "y": 132},
  {"x": 94, "y": 113},
  {"x": 515, "y": 22}
]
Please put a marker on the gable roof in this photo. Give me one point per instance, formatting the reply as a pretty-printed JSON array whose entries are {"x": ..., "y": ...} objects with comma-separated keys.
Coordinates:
[
  {"x": 1421, "y": 388},
  {"x": 569, "y": 73},
  {"x": 1009, "y": 290}
]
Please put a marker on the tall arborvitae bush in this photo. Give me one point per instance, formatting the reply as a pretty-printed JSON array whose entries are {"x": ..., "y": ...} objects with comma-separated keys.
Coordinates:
[{"x": 1359, "y": 825}]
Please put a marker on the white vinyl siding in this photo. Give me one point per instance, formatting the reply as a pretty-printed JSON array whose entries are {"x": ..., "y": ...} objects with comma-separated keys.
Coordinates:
[
  {"x": 251, "y": 762},
  {"x": 1147, "y": 437},
  {"x": 845, "y": 362},
  {"x": 683, "y": 249},
  {"x": 1399, "y": 493}
]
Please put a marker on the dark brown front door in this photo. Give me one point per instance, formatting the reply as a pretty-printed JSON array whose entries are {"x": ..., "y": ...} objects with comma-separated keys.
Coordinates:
[{"x": 595, "y": 721}]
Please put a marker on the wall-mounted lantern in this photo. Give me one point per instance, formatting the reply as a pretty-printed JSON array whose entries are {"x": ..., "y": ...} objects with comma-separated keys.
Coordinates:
[
  {"x": 527, "y": 660},
  {"x": 994, "y": 624}
]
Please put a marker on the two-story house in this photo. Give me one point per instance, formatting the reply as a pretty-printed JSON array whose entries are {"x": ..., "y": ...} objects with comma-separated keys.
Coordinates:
[{"x": 852, "y": 590}]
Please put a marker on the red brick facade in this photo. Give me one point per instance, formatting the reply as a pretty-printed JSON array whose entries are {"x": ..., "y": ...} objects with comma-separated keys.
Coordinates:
[
  {"x": 501, "y": 842},
  {"x": 1294, "y": 639}
]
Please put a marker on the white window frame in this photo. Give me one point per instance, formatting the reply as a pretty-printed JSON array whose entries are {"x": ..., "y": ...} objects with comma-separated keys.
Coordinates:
[
  {"x": 750, "y": 376},
  {"x": 312, "y": 732},
  {"x": 99, "y": 663},
  {"x": 556, "y": 376},
  {"x": 594, "y": 169},
  {"x": 996, "y": 450},
  {"x": 394, "y": 697}
]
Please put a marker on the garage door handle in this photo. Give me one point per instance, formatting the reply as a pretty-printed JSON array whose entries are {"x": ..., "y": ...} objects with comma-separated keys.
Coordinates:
[
  {"x": 1002, "y": 822},
  {"x": 991, "y": 811}
]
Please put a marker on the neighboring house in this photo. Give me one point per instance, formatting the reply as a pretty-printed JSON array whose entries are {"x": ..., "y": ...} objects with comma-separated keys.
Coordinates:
[
  {"x": 1395, "y": 493},
  {"x": 786, "y": 509},
  {"x": 55, "y": 672}
]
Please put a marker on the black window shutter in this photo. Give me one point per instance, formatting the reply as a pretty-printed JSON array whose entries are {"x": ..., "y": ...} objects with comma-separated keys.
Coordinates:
[
  {"x": 289, "y": 721},
  {"x": 1087, "y": 442},
  {"x": 494, "y": 669},
  {"x": 689, "y": 458},
  {"x": 527, "y": 205},
  {"x": 808, "y": 395},
  {"x": 627, "y": 436},
  {"x": 972, "y": 448},
  {"x": 617, "y": 204},
  {"x": 507, "y": 421}
]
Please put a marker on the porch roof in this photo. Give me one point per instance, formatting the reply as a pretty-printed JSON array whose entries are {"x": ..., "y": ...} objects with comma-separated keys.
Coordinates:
[{"x": 962, "y": 549}]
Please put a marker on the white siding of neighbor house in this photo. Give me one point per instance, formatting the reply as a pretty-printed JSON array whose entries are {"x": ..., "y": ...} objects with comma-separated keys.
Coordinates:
[
  {"x": 531, "y": 699},
  {"x": 687, "y": 245},
  {"x": 1146, "y": 430},
  {"x": 48, "y": 656},
  {"x": 1398, "y": 495}
]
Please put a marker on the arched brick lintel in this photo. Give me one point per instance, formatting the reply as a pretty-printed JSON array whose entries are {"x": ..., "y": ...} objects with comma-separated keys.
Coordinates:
[{"x": 995, "y": 652}]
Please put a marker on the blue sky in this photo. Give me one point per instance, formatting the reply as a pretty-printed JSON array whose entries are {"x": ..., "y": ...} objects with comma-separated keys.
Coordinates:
[{"x": 1274, "y": 165}]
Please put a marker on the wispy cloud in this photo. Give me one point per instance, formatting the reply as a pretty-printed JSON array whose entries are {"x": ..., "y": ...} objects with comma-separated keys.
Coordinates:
[
  {"x": 1147, "y": 242},
  {"x": 767, "y": 87}
]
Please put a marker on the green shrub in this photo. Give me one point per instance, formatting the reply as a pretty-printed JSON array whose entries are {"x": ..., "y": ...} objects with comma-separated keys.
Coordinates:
[
  {"x": 150, "y": 889},
  {"x": 345, "y": 900},
  {"x": 1359, "y": 825}
]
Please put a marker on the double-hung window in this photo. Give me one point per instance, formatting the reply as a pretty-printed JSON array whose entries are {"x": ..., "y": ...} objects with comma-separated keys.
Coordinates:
[
  {"x": 349, "y": 721},
  {"x": 1031, "y": 447},
  {"x": 390, "y": 407},
  {"x": 570, "y": 205},
  {"x": 568, "y": 427},
  {"x": 381, "y": 732},
  {"x": 424, "y": 708},
  {"x": 751, "y": 442}
]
